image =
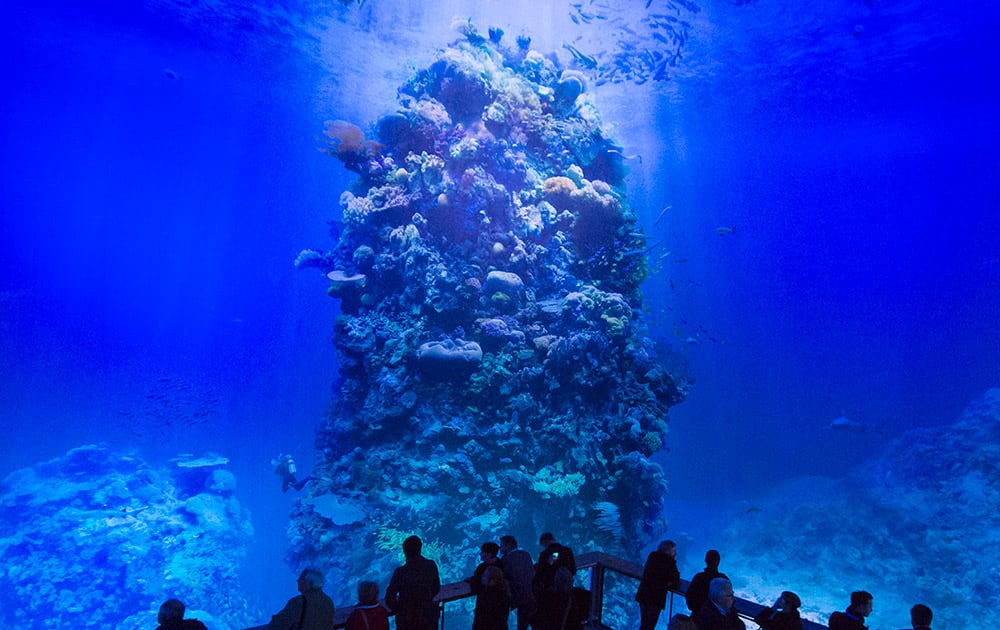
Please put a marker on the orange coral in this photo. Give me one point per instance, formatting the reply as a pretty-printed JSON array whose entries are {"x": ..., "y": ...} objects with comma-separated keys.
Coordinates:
[
  {"x": 345, "y": 137},
  {"x": 348, "y": 144}
]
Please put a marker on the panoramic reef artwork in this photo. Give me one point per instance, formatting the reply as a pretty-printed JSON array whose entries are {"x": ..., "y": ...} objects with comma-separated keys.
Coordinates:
[
  {"x": 98, "y": 539},
  {"x": 918, "y": 524},
  {"x": 495, "y": 373}
]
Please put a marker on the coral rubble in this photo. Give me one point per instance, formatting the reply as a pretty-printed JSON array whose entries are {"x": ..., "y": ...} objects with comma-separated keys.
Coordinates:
[
  {"x": 86, "y": 536},
  {"x": 495, "y": 372},
  {"x": 919, "y": 524}
]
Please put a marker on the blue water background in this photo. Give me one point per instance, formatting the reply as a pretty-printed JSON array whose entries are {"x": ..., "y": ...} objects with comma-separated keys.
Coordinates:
[{"x": 160, "y": 173}]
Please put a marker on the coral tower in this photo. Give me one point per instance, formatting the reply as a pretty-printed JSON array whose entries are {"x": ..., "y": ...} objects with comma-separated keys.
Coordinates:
[{"x": 495, "y": 375}]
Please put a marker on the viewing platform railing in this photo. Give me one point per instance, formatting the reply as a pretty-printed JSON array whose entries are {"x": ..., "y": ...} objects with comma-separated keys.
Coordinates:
[
  {"x": 600, "y": 564},
  {"x": 600, "y": 568}
]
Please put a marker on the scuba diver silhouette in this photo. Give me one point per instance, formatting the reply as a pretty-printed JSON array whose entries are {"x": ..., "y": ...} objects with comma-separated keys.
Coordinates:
[{"x": 285, "y": 468}]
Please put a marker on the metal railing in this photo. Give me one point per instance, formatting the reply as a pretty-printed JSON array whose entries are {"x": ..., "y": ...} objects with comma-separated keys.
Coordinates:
[{"x": 597, "y": 565}]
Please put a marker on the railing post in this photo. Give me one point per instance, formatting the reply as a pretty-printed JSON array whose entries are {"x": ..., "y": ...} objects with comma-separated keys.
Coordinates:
[{"x": 597, "y": 594}]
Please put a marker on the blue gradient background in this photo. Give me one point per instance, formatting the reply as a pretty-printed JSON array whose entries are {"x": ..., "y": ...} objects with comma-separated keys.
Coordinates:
[{"x": 159, "y": 174}]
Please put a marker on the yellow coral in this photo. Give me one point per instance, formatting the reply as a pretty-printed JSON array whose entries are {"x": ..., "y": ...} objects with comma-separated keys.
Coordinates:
[
  {"x": 389, "y": 538},
  {"x": 551, "y": 480},
  {"x": 615, "y": 325}
]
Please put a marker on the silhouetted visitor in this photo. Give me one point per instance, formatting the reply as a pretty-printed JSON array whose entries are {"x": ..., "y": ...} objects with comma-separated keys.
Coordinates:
[
  {"x": 413, "y": 588},
  {"x": 854, "y": 617},
  {"x": 487, "y": 558},
  {"x": 719, "y": 612},
  {"x": 286, "y": 469},
  {"x": 921, "y": 617},
  {"x": 520, "y": 572},
  {"x": 368, "y": 613},
  {"x": 312, "y": 610},
  {"x": 659, "y": 575},
  {"x": 783, "y": 615},
  {"x": 562, "y": 607},
  {"x": 697, "y": 593},
  {"x": 681, "y": 622},
  {"x": 553, "y": 558},
  {"x": 492, "y": 599},
  {"x": 171, "y": 617}
]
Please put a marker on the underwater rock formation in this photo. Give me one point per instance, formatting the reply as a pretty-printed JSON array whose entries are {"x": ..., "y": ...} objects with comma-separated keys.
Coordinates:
[
  {"x": 919, "y": 525},
  {"x": 86, "y": 536},
  {"x": 495, "y": 372}
]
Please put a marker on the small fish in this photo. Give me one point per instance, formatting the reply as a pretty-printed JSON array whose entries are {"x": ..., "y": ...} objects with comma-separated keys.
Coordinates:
[
  {"x": 845, "y": 424},
  {"x": 687, "y": 4},
  {"x": 655, "y": 245},
  {"x": 171, "y": 74},
  {"x": 584, "y": 60},
  {"x": 662, "y": 214},
  {"x": 725, "y": 230},
  {"x": 661, "y": 73},
  {"x": 627, "y": 158},
  {"x": 661, "y": 38}
]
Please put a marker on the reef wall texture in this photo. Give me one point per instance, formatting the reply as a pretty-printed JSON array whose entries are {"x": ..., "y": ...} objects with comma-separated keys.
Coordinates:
[
  {"x": 919, "y": 525},
  {"x": 87, "y": 536},
  {"x": 496, "y": 376}
]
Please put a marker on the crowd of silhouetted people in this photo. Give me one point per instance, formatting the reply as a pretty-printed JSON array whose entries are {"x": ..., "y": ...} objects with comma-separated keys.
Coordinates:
[
  {"x": 711, "y": 602},
  {"x": 541, "y": 595}
]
